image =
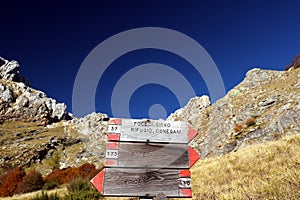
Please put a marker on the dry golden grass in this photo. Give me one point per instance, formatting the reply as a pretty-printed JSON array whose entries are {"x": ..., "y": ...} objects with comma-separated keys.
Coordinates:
[
  {"x": 28, "y": 196},
  {"x": 267, "y": 171}
]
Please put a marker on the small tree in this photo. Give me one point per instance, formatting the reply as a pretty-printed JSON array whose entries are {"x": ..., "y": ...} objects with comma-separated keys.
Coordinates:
[
  {"x": 9, "y": 186},
  {"x": 55, "y": 176},
  {"x": 54, "y": 161},
  {"x": 33, "y": 181},
  {"x": 88, "y": 170}
]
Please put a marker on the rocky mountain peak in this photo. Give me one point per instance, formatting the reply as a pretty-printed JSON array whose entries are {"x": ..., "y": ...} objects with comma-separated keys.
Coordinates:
[
  {"x": 18, "y": 101},
  {"x": 10, "y": 70},
  {"x": 264, "y": 106}
]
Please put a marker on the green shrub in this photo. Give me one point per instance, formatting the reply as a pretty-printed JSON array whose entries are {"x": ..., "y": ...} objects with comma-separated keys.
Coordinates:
[
  {"x": 45, "y": 196},
  {"x": 54, "y": 161},
  {"x": 50, "y": 185},
  {"x": 80, "y": 189},
  {"x": 78, "y": 185}
]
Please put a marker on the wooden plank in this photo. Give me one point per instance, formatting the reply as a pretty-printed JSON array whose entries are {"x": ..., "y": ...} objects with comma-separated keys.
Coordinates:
[
  {"x": 148, "y": 155},
  {"x": 143, "y": 130},
  {"x": 143, "y": 182}
]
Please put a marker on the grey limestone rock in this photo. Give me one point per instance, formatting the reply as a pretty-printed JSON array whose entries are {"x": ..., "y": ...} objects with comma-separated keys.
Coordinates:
[
  {"x": 264, "y": 106},
  {"x": 18, "y": 101}
]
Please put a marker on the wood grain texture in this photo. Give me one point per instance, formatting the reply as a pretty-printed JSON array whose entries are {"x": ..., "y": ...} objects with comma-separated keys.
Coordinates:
[
  {"x": 142, "y": 182},
  {"x": 149, "y": 155}
]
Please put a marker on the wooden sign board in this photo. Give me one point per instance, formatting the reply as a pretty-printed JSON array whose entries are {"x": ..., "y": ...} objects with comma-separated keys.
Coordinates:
[
  {"x": 143, "y": 182},
  {"x": 150, "y": 155},
  {"x": 145, "y": 130},
  {"x": 145, "y": 158}
]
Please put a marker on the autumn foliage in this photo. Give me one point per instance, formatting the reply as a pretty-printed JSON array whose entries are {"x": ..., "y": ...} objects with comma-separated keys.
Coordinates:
[
  {"x": 10, "y": 185},
  {"x": 61, "y": 176},
  {"x": 238, "y": 128},
  {"x": 16, "y": 181},
  {"x": 32, "y": 181}
]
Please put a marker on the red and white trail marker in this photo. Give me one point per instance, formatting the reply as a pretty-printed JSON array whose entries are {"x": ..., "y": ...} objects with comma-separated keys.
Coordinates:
[{"x": 147, "y": 157}]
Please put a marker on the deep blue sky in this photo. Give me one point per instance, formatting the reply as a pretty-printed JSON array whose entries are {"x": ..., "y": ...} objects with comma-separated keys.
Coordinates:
[{"x": 50, "y": 39}]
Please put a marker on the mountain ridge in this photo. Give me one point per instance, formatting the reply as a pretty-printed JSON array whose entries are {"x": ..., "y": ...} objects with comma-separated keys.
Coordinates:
[{"x": 264, "y": 107}]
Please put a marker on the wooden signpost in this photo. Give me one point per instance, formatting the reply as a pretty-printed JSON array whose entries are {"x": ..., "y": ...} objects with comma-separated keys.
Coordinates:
[{"x": 145, "y": 158}]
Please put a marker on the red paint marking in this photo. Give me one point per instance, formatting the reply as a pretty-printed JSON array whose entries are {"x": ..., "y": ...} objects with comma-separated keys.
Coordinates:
[
  {"x": 191, "y": 133},
  {"x": 112, "y": 145},
  {"x": 98, "y": 181},
  {"x": 116, "y": 121},
  {"x": 193, "y": 156},
  {"x": 113, "y": 137},
  {"x": 186, "y": 192},
  {"x": 184, "y": 173},
  {"x": 109, "y": 162}
]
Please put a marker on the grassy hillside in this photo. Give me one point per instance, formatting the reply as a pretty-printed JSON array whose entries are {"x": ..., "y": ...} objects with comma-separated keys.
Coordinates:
[{"x": 267, "y": 171}]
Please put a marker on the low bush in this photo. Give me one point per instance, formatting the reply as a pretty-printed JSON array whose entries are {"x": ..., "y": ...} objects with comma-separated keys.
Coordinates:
[
  {"x": 45, "y": 196},
  {"x": 54, "y": 161},
  {"x": 61, "y": 176},
  {"x": 9, "y": 186},
  {"x": 55, "y": 176},
  {"x": 250, "y": 121},
  {"x": 238, "y": 128},
  {"x": 81, "y": 189},
  {"x": 88, "y": 170},
  {"x": 32, "y": 181},
  {"x": 50, "y": 185}
]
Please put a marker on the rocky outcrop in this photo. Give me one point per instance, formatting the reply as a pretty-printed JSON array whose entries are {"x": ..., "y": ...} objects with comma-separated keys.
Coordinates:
[
  {"x": 24, "y": 142},
  {"x": 93, "y": 127},
  {"x": 27, "y": 144},
  {"x": 265, "y": 106},
  {"x": 76, "y": 141},
  {"x": 194, "y": 112},
  {"x": 10, "y": 70},
  {"x": 18, "y": 101}
]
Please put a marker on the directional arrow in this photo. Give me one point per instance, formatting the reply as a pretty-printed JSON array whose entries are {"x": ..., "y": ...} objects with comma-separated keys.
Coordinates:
[
  {"x": 192, "y": 133},
  {"x": 143, "y": 182},
  {"x": 193, "y": 156}
]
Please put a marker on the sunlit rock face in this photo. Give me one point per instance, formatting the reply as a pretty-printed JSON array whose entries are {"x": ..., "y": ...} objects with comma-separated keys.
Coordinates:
[
  {"x": 264, "y": 106},
  {"x": 18, "y": 101}
]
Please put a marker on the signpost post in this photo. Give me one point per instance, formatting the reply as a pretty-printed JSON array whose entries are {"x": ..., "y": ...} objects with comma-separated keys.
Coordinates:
[{"x": 145, "y": 158}]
